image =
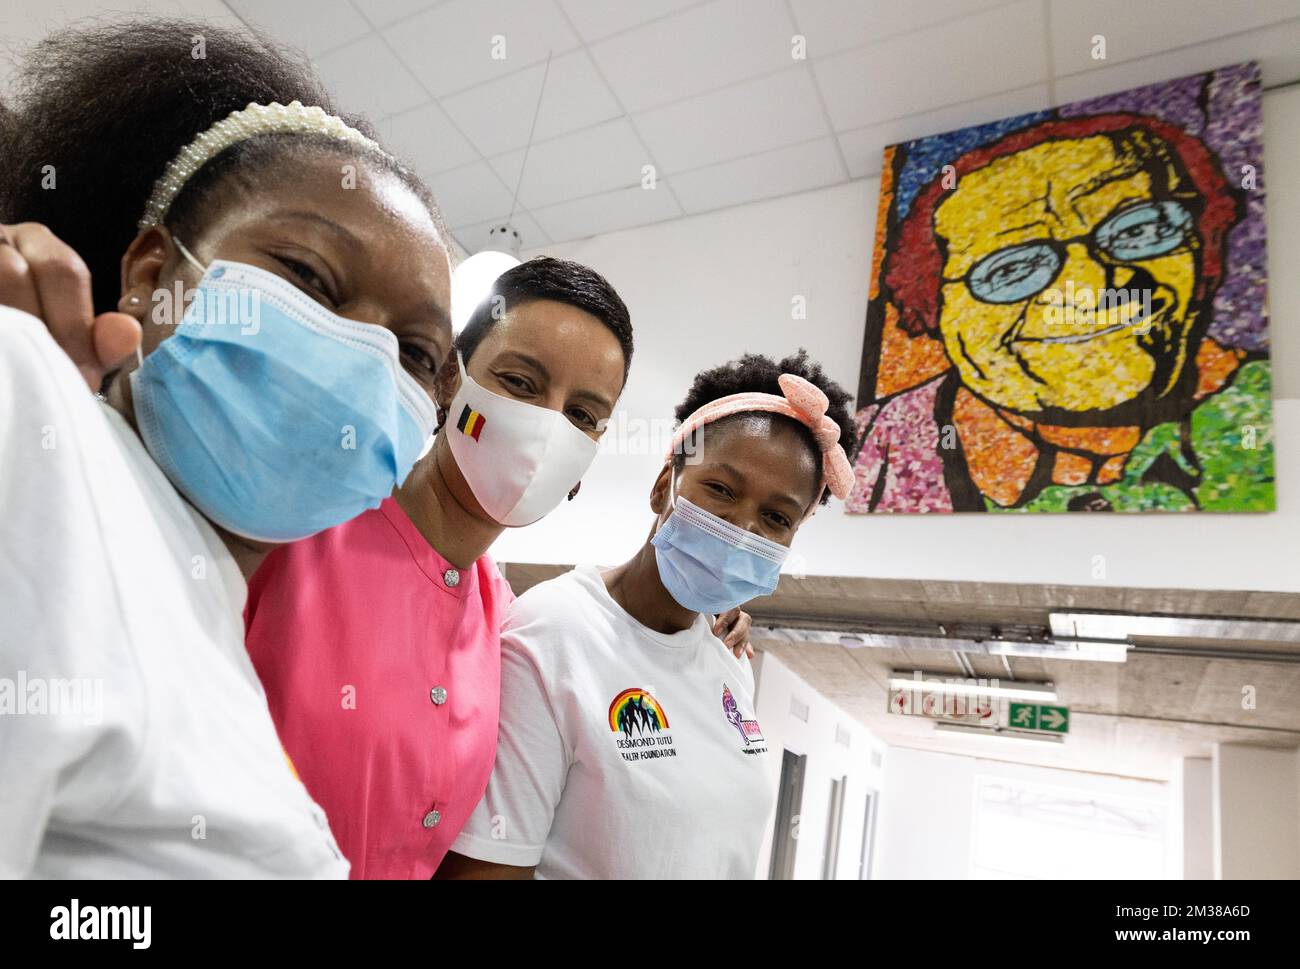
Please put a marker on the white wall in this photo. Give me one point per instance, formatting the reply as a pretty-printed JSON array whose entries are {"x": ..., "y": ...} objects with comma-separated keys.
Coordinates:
[
  {"x": 704, "y": 289},
  {"x": 1192, "y": 818},
  {"x": 927, "y": 817},
  {"x": 1256, "y": 812},
  {"x": 827, "y": 759}
]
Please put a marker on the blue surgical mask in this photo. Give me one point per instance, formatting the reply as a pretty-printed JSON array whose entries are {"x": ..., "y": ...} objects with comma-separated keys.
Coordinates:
[
  {"x": 708, "y": 564},
  {"x": 276, "y": 418}
]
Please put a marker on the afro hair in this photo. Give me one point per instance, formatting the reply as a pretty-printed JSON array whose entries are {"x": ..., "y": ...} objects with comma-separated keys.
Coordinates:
[{"x": 755, "y": 373}]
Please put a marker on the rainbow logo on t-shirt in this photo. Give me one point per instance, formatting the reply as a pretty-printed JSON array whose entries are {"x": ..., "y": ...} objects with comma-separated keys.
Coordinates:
[{"x": 636, "y": 710}]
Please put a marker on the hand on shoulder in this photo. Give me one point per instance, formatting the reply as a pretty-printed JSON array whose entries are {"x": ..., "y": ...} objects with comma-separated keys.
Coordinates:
[{"x": 43, "y": 276}]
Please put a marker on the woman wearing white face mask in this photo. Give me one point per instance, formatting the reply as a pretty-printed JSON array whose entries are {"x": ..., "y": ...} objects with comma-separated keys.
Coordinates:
[
  {"x": 628, "y": 745},
  {"x": 378, "y": 640}
]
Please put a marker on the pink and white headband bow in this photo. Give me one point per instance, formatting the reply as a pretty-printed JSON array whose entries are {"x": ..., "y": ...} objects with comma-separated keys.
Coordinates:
[{"x": 803, "y": 401}]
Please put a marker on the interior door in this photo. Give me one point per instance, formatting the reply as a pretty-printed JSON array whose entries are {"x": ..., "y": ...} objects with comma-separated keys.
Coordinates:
[{"x": 789, "y": 803}]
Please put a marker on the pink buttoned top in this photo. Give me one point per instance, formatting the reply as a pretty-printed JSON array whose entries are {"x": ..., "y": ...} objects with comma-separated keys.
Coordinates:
[{"x": 382, "y": 667}]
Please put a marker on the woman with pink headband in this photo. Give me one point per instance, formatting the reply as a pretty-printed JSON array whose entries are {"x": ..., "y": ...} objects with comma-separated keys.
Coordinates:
[{"x": 628, "y": 745}]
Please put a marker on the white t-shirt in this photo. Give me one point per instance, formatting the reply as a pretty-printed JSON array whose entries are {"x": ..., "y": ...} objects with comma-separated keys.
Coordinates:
[
  {"x": 135, "y": 739},
  {"x": 623, "y": 752}
]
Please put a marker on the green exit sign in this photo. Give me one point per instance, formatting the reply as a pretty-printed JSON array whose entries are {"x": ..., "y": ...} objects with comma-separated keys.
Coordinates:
[{"x": 1038, "y": 716}]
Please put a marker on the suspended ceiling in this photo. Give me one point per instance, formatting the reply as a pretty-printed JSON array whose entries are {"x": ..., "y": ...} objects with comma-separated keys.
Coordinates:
[{"x": 711, "y": 95}]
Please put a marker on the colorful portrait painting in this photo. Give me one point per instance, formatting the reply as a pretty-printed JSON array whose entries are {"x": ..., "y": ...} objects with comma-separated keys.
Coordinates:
[{"x": 1067, "y": 311}]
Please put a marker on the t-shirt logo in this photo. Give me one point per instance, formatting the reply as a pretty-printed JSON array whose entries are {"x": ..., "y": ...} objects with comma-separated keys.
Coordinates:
[
  {"x": 642, "y": 725},
  {"x": 749, "y": 731}
]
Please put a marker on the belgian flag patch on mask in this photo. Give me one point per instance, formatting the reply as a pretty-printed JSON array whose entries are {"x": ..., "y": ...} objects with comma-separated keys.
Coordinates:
[{"x": 471, "y": 422}]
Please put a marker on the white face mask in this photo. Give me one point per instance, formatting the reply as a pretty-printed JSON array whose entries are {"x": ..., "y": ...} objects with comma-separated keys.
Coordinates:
[{"x": 520, "y": 460}]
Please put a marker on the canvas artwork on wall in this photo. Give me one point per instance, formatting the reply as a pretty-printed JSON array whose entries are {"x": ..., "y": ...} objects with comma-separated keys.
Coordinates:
[{"x": 1067, "y": 313}]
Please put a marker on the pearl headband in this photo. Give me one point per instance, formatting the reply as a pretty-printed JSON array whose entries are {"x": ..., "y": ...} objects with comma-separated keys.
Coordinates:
[
  {"x": 804, "y": 402},
  {"x": 256, "y": 119}
]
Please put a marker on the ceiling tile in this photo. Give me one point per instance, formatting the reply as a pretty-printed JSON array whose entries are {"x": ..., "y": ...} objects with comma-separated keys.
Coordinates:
[
  {"x": 1137, "y": 30},
  {"x": 598, "y": 159},
  {"x": 622, "y": 209},
  {"x": 832, "y": 26},
  {"x": 1277, "y": 48},
  {"x": 366, "y": 77},
  {"x": 451, "y": 46},
  {"x": 600, "y": 18},
  {"x": 470, "y": 195},
  {"x": 863, "y": 147},
  {"x": 697, "y": 50},
  {"x": 475, "y": 237},
  {"x": 427, "y": 140},
  {"x": 936, "y": 66},
  {"x": 213, "y": 11},
  {"x": 312, "y": 26},
  {"x": 381, "y": 13},
  {"x": 726, "y": 124},
  {"x": 784, "y": 171},
  {"x": 497, "y": 116}
]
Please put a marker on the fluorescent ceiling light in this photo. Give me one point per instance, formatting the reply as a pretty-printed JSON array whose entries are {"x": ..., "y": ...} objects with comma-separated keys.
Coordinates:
[
  {"x": 1118, "y": 627},
  {"x": 1062, "y": 649},
  {"x": 1015, "y": 690},
  {"x": 1001, "y": 733},
  {"x": 1071, "y": 649}
]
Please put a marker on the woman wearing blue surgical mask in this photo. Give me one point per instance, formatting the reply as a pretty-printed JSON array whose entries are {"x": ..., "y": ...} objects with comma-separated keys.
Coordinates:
[
  {"x": 292, "y": 284},
  {"x": 628, "y": 743}
]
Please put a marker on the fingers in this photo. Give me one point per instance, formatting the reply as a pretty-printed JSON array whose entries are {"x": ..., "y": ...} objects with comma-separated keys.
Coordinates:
[
  {"x": 742, "y": 623},
  {"x": 17, "y": 287},
  {"x": 116, "y": 336},
  {"x": 61, "y": 283},
  {"x": 743, "y": 650},
  {"x": 733, "y": 629},
  {"x": 17, "y": 284}
]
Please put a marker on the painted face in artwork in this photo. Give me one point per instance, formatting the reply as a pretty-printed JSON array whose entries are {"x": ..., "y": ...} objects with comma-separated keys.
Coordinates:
[{"x": 1069, "y": 275}]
